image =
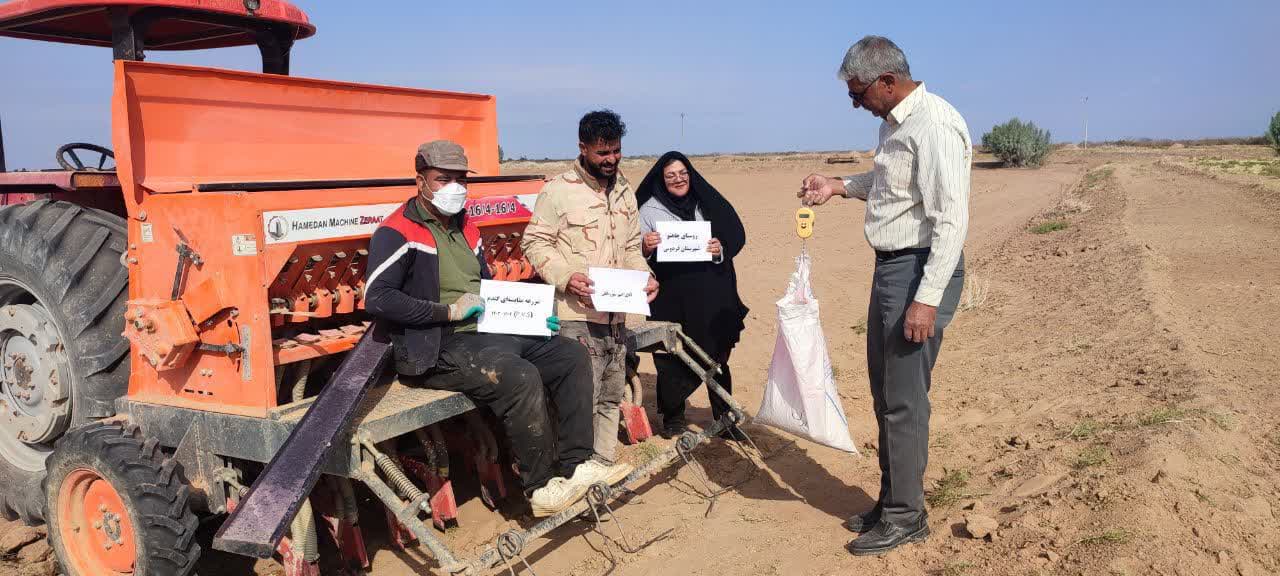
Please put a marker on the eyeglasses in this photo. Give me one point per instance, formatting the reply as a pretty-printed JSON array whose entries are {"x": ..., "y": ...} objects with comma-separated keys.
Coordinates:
[
  {"x": 858, "y": 96},
  {"x": 676, "y": 176}
]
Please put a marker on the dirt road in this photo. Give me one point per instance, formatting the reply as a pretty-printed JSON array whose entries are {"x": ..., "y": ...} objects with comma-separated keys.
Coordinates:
[{"x": 1107, "y": 399}]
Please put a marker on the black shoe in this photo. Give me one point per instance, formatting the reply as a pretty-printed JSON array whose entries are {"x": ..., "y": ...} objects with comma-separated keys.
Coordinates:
[
  {"x": 863, "y": 523},
  {"x": 733, "y": 433},
  {"x": 885, "y": 537},
  {"x": 674, "y": 427}
]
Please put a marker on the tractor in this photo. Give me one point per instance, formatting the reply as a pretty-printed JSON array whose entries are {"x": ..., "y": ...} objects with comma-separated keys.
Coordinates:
[{"x": 182, "y": 329}]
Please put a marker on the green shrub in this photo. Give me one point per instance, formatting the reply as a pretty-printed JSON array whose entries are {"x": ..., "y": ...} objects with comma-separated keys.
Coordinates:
[
  {"x": 1017, "y": 143},
  {"x": 1273, "y": 132}
]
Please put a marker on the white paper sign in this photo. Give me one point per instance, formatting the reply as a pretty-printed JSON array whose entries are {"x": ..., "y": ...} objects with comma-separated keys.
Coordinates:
[
  {"x": 619, "y": 290},
  {"x": 684, "y": 241},
  {"x": 516, "y": 307}
]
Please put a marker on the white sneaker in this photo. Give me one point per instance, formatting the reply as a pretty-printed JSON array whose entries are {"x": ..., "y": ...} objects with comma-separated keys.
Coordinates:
[
  {"x": 591, "y": 471},
  {"x": 555, "y": 497}
]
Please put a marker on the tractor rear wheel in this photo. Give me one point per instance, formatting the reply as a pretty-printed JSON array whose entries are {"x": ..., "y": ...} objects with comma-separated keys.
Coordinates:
[
  {"x": 63, "y": 360},
  {"x": 116, "y": 505}
]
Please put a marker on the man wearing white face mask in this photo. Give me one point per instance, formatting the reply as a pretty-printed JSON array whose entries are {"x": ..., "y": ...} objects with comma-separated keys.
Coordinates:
[{"x": 426, "y": 263}]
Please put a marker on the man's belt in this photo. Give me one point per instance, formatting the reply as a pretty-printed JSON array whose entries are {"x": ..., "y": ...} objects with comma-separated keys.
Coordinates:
[{"x": 882, "y": 255}]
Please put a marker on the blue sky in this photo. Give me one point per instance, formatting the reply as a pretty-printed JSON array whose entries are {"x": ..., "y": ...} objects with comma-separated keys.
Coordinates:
[{"x": 750, "y": 76}]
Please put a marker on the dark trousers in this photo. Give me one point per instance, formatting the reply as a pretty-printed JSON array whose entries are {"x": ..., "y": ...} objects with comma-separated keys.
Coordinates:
[
  {"x": 900, "y": 374},
  {"x": 514, "y": 376},
  {"x": 676, "y": 382}
]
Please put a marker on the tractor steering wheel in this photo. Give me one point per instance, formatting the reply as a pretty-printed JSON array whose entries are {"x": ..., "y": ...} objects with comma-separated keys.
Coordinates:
[{"x": 68, "y": 151}]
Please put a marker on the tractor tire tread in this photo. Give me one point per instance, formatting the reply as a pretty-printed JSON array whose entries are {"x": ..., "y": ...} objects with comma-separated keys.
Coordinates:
[
  {"x": 105, "y": 360},
  {"x": 29, "y": 212},
  {"x": 53, "y": 235},
  {"x": 151, "y": 485},
  {"x": 112, "y": 291},
  {"x": 68, "y": 257},
  {"x": 82, "y": 260}
]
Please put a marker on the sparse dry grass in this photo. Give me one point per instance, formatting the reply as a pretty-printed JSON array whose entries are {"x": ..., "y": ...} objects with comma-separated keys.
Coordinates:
[
  {"x": 1109, "y": 536},
  {"x": 976, "y": 291},
  {"x": 1050, "y": 226},
  {"x": 1097, "y": 177},
  {"x": 1073, "y": 205},
  {"x": 1223, "y": 420},
  {"x": 1233, "y": 166},
  {"x": 1161, "y": 416},
  {"x": 1090, "y": 457},
  {"x": 956, "y": 568},
  {"x": 861, "y": 327},
  {"x": 949, "y": 489},
  {"x": 1165, "y": 143},
  {"x": 1085, "y": 429},
  {"x": 1079, "y": 344},
  {"x": 648, "y": 451}
]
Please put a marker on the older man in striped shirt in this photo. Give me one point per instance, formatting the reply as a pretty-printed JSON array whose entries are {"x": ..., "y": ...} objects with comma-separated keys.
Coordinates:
[{"x": 917, "y": 216}]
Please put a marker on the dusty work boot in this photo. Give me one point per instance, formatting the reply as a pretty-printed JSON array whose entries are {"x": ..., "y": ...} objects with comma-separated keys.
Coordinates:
[
  {"x": 592, "y": 471},
  {"x": 674, "y": 427},
  {"x": 885, "y": 537},
  {"x": 556, "y": 496},
  {"x": 863, "y": 523}
]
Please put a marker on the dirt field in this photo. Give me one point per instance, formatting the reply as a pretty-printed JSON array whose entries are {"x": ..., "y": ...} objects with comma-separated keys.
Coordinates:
[{"x": 1106, "y": 398}]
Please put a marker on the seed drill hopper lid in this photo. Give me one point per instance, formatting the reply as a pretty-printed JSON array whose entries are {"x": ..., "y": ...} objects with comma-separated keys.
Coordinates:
[
  {"x": 179, "y": 127},
  {"x": 209, "y": 23}
]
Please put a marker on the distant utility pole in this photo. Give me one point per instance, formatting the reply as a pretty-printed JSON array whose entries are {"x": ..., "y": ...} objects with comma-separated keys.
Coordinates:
[
  {"x": 1086, "y": 121},
  {"x": 682, "y": 130}
]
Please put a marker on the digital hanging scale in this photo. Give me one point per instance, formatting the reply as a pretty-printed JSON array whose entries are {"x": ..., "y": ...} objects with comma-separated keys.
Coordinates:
[{"x": 804, "y": 222}]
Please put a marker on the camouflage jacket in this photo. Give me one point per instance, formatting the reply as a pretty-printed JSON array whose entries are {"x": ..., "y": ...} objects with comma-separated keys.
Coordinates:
[{"x": 577, "y": 224}]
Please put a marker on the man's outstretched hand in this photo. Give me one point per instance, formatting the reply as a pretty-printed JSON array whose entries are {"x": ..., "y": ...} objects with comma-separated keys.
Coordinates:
[{"x": 816, "y": 189}]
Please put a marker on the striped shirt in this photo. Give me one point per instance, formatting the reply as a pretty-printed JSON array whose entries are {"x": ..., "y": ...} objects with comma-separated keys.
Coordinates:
[{"x": 918, "y": 191}]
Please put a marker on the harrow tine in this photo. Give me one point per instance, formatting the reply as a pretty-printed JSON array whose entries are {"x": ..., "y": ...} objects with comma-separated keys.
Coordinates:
[
  {"x": 753, "y": 445},
  {"x": 598, "y": 497},
  {"x": 510, "y": 546},
  {"x": 734, "y": 418},
  {"x": 684, "y": 447}
]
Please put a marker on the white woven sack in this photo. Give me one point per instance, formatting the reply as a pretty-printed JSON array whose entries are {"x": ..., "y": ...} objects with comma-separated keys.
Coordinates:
[{"x": 801, "y": 396}]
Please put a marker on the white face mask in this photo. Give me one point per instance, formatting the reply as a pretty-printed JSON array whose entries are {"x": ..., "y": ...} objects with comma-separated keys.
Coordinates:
[{"x": 450, "y": 199}]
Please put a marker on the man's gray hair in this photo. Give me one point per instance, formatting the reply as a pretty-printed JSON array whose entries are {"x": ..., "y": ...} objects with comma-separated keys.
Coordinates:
[{"x": 871, "y": 58}]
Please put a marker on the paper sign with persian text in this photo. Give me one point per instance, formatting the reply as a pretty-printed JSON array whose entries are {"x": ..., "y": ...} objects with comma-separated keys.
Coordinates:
[
  {"x": 516, "y": 307},
  {"x": 684, "y": 241},
  {"x": 619, "y": 290}
]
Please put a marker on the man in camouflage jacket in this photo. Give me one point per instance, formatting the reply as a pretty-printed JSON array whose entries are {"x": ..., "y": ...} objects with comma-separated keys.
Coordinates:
[{"x": 587, "y": 217}]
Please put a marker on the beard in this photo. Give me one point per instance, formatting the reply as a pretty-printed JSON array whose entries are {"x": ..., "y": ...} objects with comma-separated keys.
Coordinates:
[{"x": 601, "y": 170}]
